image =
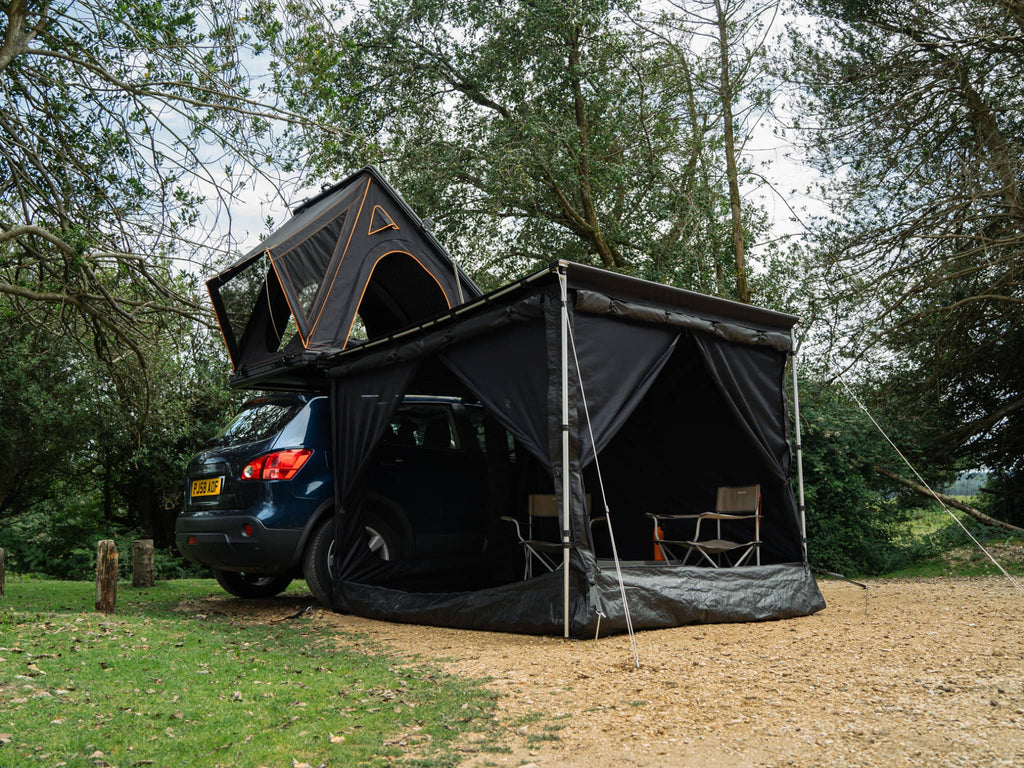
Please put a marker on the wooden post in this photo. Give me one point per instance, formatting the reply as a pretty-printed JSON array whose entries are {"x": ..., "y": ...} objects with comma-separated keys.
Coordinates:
[
  {"x": 1, "y": 571},
  {"x": 142, "y": 563},
  {"x": 106, "y": 576}
]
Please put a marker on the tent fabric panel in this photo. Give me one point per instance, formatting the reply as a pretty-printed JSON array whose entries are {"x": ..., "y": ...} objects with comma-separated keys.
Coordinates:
[
  {"x": 581, "y": 553},
  {"x": 683, "y": 440},
  {"x": 618, "y": 362},
  {"x": 662, "y": 596},
  {"x": 305, "y": 268},
  {"x": 507, "y": 370},
  {"x": 600, "y": 304},
  {"x": 310, "y": 222},
  {"x": 430, "y": 341},
  {"x": 393, "y": 272},
  {"x": 360, "y": 409},
  {"x": 752, "y": 381},
  {"x": 531, "y": 607}
]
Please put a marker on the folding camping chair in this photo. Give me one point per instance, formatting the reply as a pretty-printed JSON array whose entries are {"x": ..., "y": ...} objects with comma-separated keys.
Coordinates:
[
  {"x": 540, "y": 506},
  {"x": 548, "y": 553},
  {"x": 733, "y": 503}
]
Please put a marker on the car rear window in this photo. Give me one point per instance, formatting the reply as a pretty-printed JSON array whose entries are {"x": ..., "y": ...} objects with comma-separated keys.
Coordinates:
[{"x": 257, "y": 421}]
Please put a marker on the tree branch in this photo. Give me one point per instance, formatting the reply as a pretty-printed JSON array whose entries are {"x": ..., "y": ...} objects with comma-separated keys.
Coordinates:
[{"x": 949, "y": 501}]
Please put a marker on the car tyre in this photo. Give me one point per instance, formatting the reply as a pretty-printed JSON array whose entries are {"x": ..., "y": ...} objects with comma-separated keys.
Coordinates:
[
  {"x": 384, "y": 542},
  {"x": 251, "y": 585}
]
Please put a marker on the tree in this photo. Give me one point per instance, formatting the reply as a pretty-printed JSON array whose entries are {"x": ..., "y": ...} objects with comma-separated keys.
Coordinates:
[
  {"x": 124, "y": 126},
  {"x": 127, "y": 129},
  {"x": 913, "y": 110},
  {"x": 736, "y": 34},
  {"x": 529, "y": 131}
]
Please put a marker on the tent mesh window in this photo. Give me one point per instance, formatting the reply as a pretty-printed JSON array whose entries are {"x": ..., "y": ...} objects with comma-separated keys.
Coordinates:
[
  {"x": 305, "y": 267},
  {"x": 241, "y": 294}
]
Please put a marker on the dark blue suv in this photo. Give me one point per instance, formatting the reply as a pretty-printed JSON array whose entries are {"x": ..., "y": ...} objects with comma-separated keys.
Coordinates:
[{"x": 259, "y": 499}]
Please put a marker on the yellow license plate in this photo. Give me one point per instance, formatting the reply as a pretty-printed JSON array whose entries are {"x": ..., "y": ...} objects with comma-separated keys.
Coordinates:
[{"x": 208, "y": 487}]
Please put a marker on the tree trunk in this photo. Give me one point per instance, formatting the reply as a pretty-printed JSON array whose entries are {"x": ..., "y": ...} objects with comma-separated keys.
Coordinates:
[
  {"x": 142, "y": 563},
  {"x": 949, "y": 501},
  {"x": 731, "y": 170},
  {"x": 2, "y": 572},
  {"x": 106, "y": 576}
]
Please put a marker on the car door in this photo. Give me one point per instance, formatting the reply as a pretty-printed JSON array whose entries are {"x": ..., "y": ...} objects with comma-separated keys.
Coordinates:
[{"x": 430, "y": 467}]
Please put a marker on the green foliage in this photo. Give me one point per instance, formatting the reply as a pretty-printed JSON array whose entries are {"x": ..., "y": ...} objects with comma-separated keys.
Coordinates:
[
  {"x": 529, "y": 131},
  {"x": 155, "y": 684},
  {"x": 917, "y": 125},
  {"x": 940, "y": 547},
  {"x": 852, "y": 526},
  {"x": 88, "y": 448},
  {"x": 1003, "y": 496},
  {"x": 57, "y": 537}
]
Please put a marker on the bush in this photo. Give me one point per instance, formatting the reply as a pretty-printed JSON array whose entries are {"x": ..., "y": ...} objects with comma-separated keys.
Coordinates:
[
  {"x": 58, "y": 540},
  {"x": 853, "y": 528}
]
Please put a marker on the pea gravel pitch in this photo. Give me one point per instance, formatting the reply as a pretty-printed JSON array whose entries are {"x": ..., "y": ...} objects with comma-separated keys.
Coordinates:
[{"x": 907, "y": 673}]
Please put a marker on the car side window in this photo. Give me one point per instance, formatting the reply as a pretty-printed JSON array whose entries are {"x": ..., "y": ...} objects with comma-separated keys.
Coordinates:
[
  {"x": 257, "y": 421},
  {"x": 422, "y": 425}
]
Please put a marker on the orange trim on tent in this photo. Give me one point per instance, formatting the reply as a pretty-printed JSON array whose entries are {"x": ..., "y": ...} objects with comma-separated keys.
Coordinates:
[
  {"x": 344, "y": 252},
  {"x": 291, "y": 309},
  {"x": 390, "y": 225},
  {"x": 367, "y": 285},
  {"x": 326, "y": 217}
]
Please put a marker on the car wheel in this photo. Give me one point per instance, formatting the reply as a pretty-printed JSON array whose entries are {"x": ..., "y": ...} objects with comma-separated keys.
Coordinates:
[
  {"x": 319, "y": 556},
  {"x": 252, "y": 585}
]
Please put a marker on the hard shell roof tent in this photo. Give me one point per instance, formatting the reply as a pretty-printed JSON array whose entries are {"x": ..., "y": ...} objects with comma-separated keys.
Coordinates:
[{"x": 353, "y": 263}]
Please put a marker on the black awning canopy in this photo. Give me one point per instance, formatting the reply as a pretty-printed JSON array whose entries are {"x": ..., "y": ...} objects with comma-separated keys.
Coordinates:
[{"x": 683, "y": 394}]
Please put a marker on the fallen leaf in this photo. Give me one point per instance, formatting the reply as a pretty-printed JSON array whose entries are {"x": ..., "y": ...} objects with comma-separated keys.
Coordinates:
[
  {"x": 337, "y": 739},
  {"x": 236, "y": 696},
  {"x": 5, "y": 738},
  {"x": 297, "y": 764}
]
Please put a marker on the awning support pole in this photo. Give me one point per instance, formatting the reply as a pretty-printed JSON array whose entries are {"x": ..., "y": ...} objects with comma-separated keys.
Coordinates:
[
  {"x": 565, "y": 449},
  {"x": 799, "y": 459}
]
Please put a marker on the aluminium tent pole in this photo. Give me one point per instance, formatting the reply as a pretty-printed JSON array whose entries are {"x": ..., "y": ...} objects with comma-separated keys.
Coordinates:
[
  {"x": 799, "y": 460},
  {"x": 565, "y": 449}
]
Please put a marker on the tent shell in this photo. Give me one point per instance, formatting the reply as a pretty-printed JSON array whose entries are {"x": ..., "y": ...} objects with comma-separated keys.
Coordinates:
[{"x": 355, "y": 250}]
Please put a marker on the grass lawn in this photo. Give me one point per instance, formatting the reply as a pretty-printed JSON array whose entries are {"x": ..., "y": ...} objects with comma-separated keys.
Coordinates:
[
  {"x": 149, "y": 685},
  {"x": 945, "y": 550}
]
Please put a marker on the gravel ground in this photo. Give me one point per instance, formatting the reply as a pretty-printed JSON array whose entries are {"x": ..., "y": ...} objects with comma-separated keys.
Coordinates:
[{"x": 921, "y": 673}]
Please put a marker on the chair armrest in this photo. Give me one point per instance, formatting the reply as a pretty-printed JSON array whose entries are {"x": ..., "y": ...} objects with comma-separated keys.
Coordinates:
[{"x": 514, "y": 522}]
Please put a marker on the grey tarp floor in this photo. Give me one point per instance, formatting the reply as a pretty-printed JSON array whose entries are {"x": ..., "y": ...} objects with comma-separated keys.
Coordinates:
[{"x": 924, "y": 672}]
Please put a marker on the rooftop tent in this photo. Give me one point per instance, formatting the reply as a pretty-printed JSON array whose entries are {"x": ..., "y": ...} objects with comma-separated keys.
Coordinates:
[
  {"x": 353, "y": 263},
  {"x": 674, "y": 394}
]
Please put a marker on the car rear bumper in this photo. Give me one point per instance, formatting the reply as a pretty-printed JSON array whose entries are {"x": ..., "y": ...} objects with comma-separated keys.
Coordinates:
[{"x": 221, "y": 542}]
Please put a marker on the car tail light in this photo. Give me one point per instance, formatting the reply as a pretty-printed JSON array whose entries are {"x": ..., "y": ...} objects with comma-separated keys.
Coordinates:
[{"x": 281, "y": 465}]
